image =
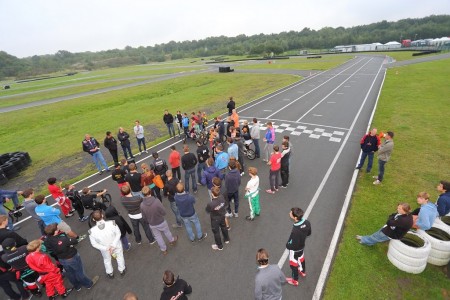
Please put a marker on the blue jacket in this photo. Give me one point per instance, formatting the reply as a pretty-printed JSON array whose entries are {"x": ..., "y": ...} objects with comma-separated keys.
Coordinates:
[
  {"x": 233, "y": 150},
  {"x": 427, "y": 215},
  {"x": 222, "y": 159},
  {"x": 185, "y": 203},
  {"x": 208, "y": 175},
  {"x": 270, "y": 135},
  {"x": 185, "y": 121},
  {"x": 232, "y": 181},
  {"x": 443, "y": 204},
  {"x": 48, "y": 214}
]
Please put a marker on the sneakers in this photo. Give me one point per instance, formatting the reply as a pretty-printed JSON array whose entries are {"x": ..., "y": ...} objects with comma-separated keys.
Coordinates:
[
  {"x": 243, "y": 173},
  {"x": 100, "y": 173},
  {"x": 107, "y": 170},
  {"x": 78, "y": 289},
  {"x": 203, "y": 237},
  {"x": 248, "y": 218},
  {"x": 81, "y": 237},
  {"x": 123, "y": 272},
  {"x": 94, "y": 281},
  {"x": 68, "y": 291},
  {"x": 83, "y": 219},
  {"x": 215, "y": 247},
  {"x": 176, "y": 226},
  {"x": 174, "y": 242},
  {"x": 377, "y": 182},
  {"x": 375, "y": 177},
  {"x": 303, "y": 274},
  {"x": 129, "y": 247},
  {"x": 227, "y": 242},
  {"x": 69, "y": 215},
  {"x": 291, "y": 281},
  {"x": 151, "y": 243},
  {"x": 228, "y": 228},
  {"x": 276, "y": 190},
  {"x": 73, "y": 209},
  {"x": 110, "y": 276},
  {"x": 284, "y": 186},
  {"x": 228, "y": 215},
  {"x": 270, "y": 191},
  {"x": 141, "y": 243},
  {"x": 236, "y": 215},
  {"x": 164, "y": 252}
]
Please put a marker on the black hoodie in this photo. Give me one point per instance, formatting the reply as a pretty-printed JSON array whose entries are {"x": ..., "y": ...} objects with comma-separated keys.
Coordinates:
[{"x": 178, "y": 290}]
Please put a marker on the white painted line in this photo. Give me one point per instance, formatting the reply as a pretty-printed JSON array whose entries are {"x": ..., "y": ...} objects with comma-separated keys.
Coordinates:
[
  {"x": 338, "y": 132},
  {"x": 314, "y": 136},
  {"x": 327, "y": 134},
  {"x": 329, "y": 94},
  {"x": 331, "y": 102},
  {"x": 314, "y": 115},
  {"x": 295, "y": 100},
  {"x": 334, "y": 241},
  {"x": 267, "y": 110},
  {"x": 296, "y": 133},
  {"x": 333, "y": 139},
  {"x": 312, "y": 124},
  {"x": 319, "y": 129}
]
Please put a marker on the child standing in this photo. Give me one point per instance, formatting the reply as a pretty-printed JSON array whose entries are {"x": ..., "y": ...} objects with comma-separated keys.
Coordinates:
[
  {"x": 275, "y": 166},
  {"x": 60, "y": 198},
  {"x": 285, "y": 155},
  {"x": 216, "y": 209},
  {"x": 252, "y": 194}
]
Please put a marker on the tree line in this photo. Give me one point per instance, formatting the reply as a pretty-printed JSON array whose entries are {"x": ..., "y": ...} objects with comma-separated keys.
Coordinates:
[{"x": 434, "y": 26}]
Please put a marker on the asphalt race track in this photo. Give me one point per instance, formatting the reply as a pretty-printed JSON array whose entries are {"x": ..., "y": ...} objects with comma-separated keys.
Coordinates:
[{"x": 325, "y": 115}]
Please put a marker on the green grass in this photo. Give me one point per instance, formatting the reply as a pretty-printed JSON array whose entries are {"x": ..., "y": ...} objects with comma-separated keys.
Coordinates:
[
  {"x": 414, "y": 105},
  {"x": 400, "y": 55},
  {"x": 55, "y": 131},
  {"x": 300, "y": 63}
]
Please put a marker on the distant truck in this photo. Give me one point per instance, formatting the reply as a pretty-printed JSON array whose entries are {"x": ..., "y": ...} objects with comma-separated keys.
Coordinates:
[{"x": 406, "y": 43}]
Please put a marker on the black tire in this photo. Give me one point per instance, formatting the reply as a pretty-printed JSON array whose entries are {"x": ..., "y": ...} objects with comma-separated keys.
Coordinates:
[
  {"x": 251, "y": 154},
  {"x": 107, "y": 199},
  {"x": 27, "y": 157},
  {"x": 4, "y": 158},
  {"x": 17, "y": 162},
  {"x": 91, "y": 222},
  {"x": 10, "y": 170},
  {"x": 3, "y": 178},
  {"x": 22, "y": 159}
]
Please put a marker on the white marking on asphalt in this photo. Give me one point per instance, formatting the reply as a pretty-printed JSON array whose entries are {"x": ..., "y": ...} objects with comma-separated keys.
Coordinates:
[
  {"x": 314, "y": 115},
  {"x": 319, "y": 129},
  {"x": 347, "y": 86},
  {"x": 340, "y": 93},
  {"x": 331, "y": 251},
  {"x": 286, "y": 99},
  {"x": 333, "y": 139},
  {"x": 295, "y": 100},
  {"x": 314, "y": 136},
  {"x": 267, "y": 110},
  {"x": 333, "y": 91},
  {"x": 331, "y": 102},
  {"x": 312, "y": 124},
  {"x": 338, "y": 132}
]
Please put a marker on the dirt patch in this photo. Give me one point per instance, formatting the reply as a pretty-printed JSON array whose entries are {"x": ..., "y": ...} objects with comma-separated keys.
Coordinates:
[{"x": 404, "y": 284}]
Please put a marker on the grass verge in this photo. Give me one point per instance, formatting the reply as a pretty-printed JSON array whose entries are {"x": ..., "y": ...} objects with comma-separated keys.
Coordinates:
[{"x": 413, "y": 105}]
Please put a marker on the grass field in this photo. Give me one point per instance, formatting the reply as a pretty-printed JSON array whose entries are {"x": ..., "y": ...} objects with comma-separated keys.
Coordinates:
[
  {"x": 53, "y": 132},
  {"x": 414, "y": 104},
  {"x": 301, "y": 63}
]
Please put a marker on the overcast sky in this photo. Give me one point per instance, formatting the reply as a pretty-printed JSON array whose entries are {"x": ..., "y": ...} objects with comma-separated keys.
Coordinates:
[{"x": 29, "y": 27}]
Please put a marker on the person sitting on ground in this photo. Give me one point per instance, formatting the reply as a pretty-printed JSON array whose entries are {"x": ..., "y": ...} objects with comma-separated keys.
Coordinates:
[
  {"x": 174, "y": 288},
  {"x": 89, "y": 199},
  {"x": 443, "y": 202},
  {"x": 396, "y": 227},
  {"x": 425, "y": 216}
]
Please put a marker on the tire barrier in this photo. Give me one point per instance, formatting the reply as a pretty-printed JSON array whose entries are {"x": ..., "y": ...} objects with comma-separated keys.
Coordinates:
[
  {"x": 439, "y": 238},
  {"x": 410, "y": 254},
  {"x": 11, "y": 164}
]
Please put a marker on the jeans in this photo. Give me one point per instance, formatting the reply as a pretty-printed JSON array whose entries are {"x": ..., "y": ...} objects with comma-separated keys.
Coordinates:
[
  {"x": 141, "y": 141},
  {"x": 381, "y": 164},
  {"x": 125, "y": 243},
  {"x": 187, "y": 174},
  {"x": 200, "y": 167},
  {"x": 187, "y": 223},
  {"x": 137, "y": 234},
  {"x": 233, "y": 196},
  {"x": 267, "y": 150},
  {"x": 10, "y": 195},
  {"x": 41, "y": 226},
  {"x": 126, "y": 149},
  {"x": 176, "y": 212},
  {"x": 75, "y": 272},
  {"x": 377, "y": 237},
  {"x": 273, "y": 178},
  {"x": 137, "y": 194},
  {"x": 257, "y": 150},
  {"x": 179, "y": 128},
  {"x": 160, "y": 229},
  {"x": 363, "y": 158},
  {"x": 98, "y": 159},
  {"x": 171, "y": 129}
]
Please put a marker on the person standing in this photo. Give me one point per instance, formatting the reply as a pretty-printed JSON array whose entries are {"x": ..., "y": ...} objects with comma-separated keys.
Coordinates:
[
  {"x": 269, "y": 138},
  {"x": 134, "y": 180},
  {"x": 105, "y": 237},
  {"x": 369, "y": 145},
  {"x": 153, "y": 212},
  {"x": 170, "y": 191},
  {"x": 443, "y": 201},
  {"x": 64, "y": 249},
  {"x": 233, "y": 150},
  {"x": 275, "y": 166},
  {"x": 174, "y": 289},
  {"x": 217, "y": 209},
  {"x": 118, "y": 175},
  {"x": 296, "y": 245},
  {"x": 285, "y": 159},
  {"x": 124, "y": 139},
  {"x": 188, "y": 162},
  {"x": 222, "y": 159},
  {"x": 185, "y": 124},
  {"x": 221, "y": 129},
  {"x": 6, "y": 233},
  {"x": 59, "y": 197},
  {"x": 185, "y": 203},
  {"x": 179, "y": 119},
  {"x": 252, "y": 194},
  {"x": 139, "y": 133},
  {"x": 111, "y": 214},
  {"x": 232, "y": 183},
  {"x": 269, "y": 279},
  {"x": 30, "y": 206},
  {"x": 384, "y": 154},
  {"x": 255, "y": 133},
  {"x": 397, "y": 225},
  {"x": 210, "y": 172},
  {"x": 8, "y": 276},
  {"x": 132, "y": 205},
  {"x": 50, "y": 275},
  {"x": 110, "y": 143},
  {"x": 159, "y": 166},
  {"x": 91, "y": 146},
  {"x": 174, "y": 161},
  {"x": 168, "y": 120},
  {"x": 202, "y": 156},
  {"x": 231, "y": 105}
]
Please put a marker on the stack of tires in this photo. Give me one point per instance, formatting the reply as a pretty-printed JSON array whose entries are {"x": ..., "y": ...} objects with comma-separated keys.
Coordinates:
[
  {"x": 410, "y": 254},
  {"x": 11, "y": 164},
  {"x": 439, "y": 238}
]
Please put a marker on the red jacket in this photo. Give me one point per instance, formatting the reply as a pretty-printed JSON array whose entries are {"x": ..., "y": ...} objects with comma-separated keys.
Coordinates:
[
  {"x": 174, "y": 159},
  {"x": 41, "y": 263}
]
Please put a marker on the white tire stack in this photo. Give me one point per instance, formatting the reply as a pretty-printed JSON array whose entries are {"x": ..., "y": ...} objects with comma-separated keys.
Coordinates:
[
  {"x": 410, "y": 254},
  {"x": 440, "y": 246}
]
